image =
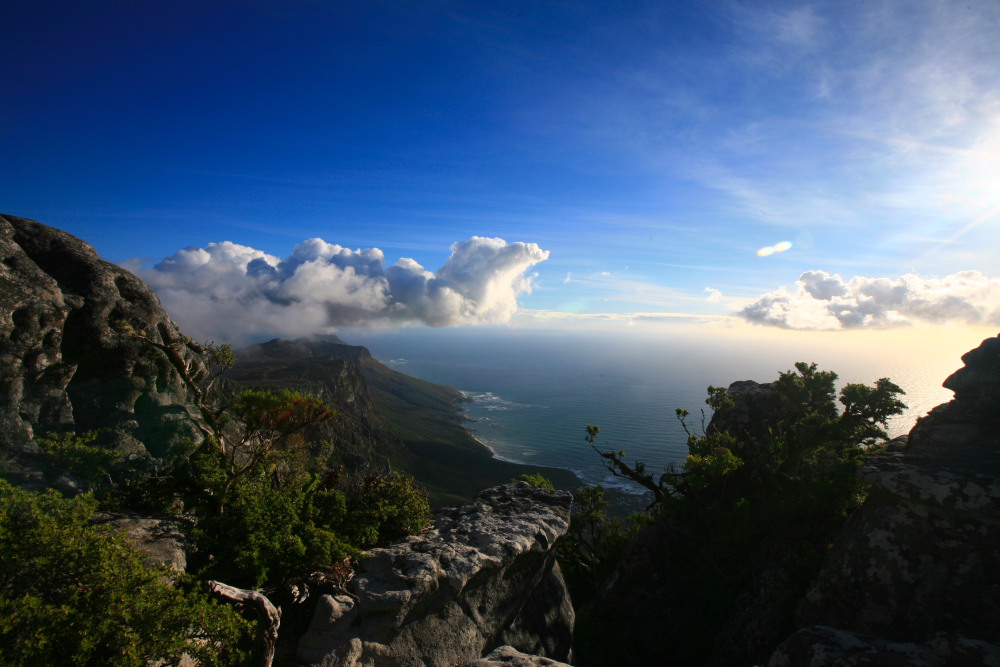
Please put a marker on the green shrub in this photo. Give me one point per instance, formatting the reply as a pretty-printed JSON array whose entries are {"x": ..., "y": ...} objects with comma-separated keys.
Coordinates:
[
  {"x": 595, "y": 542},
  {"x": 269, "y": 529},
  {"x": 72, "y": 593},
  {"x": 80, "y": 456},
  {"x": 773, "y": 494},
  {"x": 388, "y": 507},
  {"x": 537, "y": 479}
]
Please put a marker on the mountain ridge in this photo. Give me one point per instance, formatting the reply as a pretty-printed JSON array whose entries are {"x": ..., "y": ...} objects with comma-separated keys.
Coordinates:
[{"x": 416, "y": 426}]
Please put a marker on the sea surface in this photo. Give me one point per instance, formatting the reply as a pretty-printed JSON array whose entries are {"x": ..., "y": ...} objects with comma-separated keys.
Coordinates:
[{"x": 531, "y": 394}]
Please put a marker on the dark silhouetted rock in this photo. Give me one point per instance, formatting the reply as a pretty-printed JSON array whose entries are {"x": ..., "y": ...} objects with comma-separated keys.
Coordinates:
[
  {"x": 64, "y": 366},
  {"x": 756, "y": 409},
  {"x": 921, "y": 556},
  {"x": 482, "y": 577},
  {"x": 822, "y": 646}
]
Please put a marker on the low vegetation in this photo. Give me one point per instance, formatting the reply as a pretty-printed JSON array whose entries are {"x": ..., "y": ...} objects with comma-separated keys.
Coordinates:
[
  {"x": 74, "y": 593},
  {"x": 777, "y": 488},
  {"x": 269, "y": 506}
]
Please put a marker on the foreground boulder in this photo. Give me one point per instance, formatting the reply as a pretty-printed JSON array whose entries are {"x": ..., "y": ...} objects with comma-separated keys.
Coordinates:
[
  {"x": 483, "y": 577},
  {"x": 65, "y": 364}
]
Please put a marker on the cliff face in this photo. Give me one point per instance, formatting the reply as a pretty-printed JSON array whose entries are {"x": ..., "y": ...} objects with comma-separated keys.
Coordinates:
[
  {"x": 916, "y": 571},
  {"x": 63, "y": 365},
  {"x": 331, "y": 370}
]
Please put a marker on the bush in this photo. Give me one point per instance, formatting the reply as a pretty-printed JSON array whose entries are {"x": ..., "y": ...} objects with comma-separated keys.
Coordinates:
[
  {"x": 72, "y": 593},
  {"x": 771, "y": 496},
  {"x": 386, "y": 508},
  {"x": 595, "y": 542},
  {"x": 277, "y": 526},
  {"x": 269, "y": 529},
  {"x": 80, "y": 456},
  {"x": 537, "y": 479}
]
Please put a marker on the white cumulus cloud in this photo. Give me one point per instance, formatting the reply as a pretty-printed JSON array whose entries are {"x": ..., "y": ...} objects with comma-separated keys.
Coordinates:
[
  {"x": 228, "y": 291},
  {"x": 826, "y": 301}
]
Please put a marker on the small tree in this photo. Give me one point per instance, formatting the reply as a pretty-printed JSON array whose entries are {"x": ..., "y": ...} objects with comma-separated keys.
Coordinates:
[
  {"x": 537, "y": 479},
  {"x": 264, "y": 424},
  {"x": 770, "y": 496},
  {"x": 810, "y": 439},
  {"x": 595, "y": 542}
]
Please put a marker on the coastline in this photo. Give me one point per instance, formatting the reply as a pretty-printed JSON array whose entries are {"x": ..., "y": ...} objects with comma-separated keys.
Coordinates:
[{"x": 624, "y": 497}]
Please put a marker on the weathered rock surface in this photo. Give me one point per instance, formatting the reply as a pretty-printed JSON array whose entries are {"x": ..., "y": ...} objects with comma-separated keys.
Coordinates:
[
  {"x": 921, "y": 556},
  {"x": 822, "y": 646},
  {"x": 508, "y": 656},
  {"x": 64, "y": 366},
  {"x": 162, "y": 540},
  {"x": 484, "y": 576}
]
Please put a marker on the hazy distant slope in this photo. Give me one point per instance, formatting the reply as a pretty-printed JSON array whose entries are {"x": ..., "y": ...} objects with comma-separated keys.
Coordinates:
[{"x": 386, "y": 415}]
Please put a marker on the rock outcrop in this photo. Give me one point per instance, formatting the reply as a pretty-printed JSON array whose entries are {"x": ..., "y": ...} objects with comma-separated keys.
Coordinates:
[
  {"x": 823, "y": 646},
  {"x": 162, "y": 540},
  {"x": 918, "y": 564},
  {"x": 756, "y": 408},
  {"x": 64, "y": 364},
  {"x": 483, "y": 577}
]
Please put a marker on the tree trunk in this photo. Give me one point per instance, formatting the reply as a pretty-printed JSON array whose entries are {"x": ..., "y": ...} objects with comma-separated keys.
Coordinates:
[{"x": 268, "y": 616}]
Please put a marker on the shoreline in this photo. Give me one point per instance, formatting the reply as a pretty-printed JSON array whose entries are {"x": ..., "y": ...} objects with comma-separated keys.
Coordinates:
[{"x": 624, "y": 497}]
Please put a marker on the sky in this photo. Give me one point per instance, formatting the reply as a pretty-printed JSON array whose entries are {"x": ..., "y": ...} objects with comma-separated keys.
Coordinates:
[{"x": 285, "y": 168}]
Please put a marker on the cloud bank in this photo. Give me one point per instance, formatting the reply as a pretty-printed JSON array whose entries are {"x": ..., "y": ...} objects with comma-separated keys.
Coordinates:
[
  {"x": 228, "y": 291},
  {"x": 828, "y": 302}
]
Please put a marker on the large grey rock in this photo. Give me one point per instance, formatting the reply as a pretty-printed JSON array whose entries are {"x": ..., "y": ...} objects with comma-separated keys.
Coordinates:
[
  {"x": 482, "y": 577},
  {"x": 162, "y": 540},
  {"x": 64, "y": 366}
]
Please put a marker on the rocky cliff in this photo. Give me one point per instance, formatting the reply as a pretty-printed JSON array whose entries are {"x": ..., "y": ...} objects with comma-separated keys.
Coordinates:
[
  {"x": 914, "y": 577},
  {"x": 65, "y": 366}
]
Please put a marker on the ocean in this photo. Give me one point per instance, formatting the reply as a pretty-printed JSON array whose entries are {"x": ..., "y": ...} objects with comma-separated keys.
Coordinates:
[{"x": 531, "y": 394}]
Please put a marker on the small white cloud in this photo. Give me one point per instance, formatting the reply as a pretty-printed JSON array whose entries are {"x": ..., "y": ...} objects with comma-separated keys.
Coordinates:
[
  {"x": 713, "y": 294},
  {"x": 569, "y": 277},
  {"x": 824, "y": 301},
  {"x": 771, "y": 249},
  {"x": 233, "y": 292}
]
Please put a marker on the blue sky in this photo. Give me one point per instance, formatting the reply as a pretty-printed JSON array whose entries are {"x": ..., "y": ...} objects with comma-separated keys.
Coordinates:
[{"x": 650, "y": 150}]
